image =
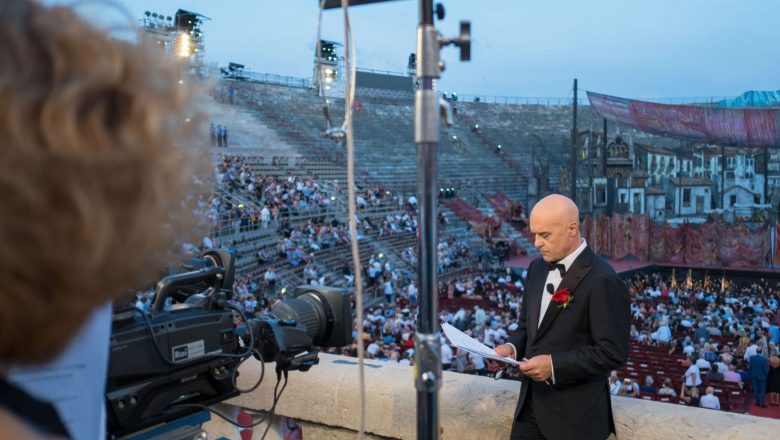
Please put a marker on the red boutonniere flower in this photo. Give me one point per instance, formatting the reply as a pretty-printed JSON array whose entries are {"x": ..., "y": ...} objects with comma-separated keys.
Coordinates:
[{"x": 562, "y": 297}]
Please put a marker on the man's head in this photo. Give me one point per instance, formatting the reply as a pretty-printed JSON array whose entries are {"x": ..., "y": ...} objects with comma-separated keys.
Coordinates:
[
  {"x": 710, "y": 391},
  {"x": 556, "y": 227}
]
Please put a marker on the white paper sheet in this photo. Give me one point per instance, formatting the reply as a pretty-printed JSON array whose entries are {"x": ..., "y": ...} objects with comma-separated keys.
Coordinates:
[{"x": 464, "y": 341}]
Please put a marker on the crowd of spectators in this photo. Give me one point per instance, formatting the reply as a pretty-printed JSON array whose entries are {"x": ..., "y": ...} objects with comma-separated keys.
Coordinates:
[
  {"x": 717, "y": 336},
  {"x": 721, "y": 331},
  {"x": 485, "y": 308},
  {"x": 450, "y": 253},
  {"x": 273, "y": 197}
]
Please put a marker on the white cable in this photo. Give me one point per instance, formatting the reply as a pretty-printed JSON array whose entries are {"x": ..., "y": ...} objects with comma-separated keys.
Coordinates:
[{"x": 349, "y": 96}]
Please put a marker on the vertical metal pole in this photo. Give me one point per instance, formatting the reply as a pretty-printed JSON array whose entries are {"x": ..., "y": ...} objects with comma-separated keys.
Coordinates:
[
  {"x": 574, "y": 139},
  {"x": 534, "y": 174},
  {"x": 772, "y": 238},
  {"x": 723, "y": 177},
  {"x": 604, "y": 150},
  {"x": 427, "y": 355},
  {"x": 591, "y": 164},
  {"x": 607, "y": 192},
  {"x": 766, "y": 175}
]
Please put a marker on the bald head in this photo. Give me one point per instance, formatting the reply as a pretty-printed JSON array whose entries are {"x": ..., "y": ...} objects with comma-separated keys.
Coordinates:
[
  {"x": 558, "y": 207},
  {"x": 555, "y": 222}
]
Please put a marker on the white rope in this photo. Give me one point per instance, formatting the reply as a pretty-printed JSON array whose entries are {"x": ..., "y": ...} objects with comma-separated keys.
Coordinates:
[{"x": 349, "y": 96}]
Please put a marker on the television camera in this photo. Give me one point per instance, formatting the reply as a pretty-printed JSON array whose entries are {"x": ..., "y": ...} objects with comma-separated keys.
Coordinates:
[{"x": 183, "y": 354}]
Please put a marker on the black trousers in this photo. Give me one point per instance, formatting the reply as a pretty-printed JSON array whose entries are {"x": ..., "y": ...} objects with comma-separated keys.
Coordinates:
[{"x": 525, "y": 427}]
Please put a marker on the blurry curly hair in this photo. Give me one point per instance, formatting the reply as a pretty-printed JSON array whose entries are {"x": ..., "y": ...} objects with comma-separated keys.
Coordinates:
[{"x": 91, "y": 183}]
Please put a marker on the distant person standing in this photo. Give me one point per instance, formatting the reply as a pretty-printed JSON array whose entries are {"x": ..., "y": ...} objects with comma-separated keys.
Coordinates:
[
  {"x": 265, "y": 216},
  {"x": 213, "y": 133},
  {"x": 758, "y": 370},
  {"x": 389, "y": 290},
  {"x": 219, "y": 135},
  {"x": 773, "y": 381},
  {"x": 224, "y": 136}
]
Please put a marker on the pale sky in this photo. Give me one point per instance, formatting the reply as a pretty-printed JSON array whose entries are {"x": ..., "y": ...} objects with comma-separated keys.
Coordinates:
[{"x": 634, "y": 49}]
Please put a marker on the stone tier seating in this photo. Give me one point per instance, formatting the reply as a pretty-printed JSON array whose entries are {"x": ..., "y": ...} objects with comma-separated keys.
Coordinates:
[
  {"x": 465, "y": 211},
  {"x": 385, "y": 149}
]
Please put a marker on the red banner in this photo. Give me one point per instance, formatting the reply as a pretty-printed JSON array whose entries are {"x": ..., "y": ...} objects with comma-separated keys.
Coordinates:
[{"x": 746, "y": 127}]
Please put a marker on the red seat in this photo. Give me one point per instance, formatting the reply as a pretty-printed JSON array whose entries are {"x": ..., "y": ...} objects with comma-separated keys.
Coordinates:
[{"x": 735, "y": 401}]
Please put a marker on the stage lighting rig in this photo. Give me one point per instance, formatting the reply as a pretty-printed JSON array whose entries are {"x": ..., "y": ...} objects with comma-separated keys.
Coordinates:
[
  {"x": 186, "y": 20},
  {"x": 328, "y": 51},
  {"x": 411, "y": 66}
]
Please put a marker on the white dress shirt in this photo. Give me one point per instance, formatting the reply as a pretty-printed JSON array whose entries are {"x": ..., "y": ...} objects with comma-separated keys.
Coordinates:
[{"x": 554, "y": 277}]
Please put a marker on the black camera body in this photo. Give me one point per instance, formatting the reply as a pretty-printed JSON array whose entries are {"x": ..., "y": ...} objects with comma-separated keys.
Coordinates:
[
  {"x": 142, "y": 385},
  {"x": 180, "y": 357}
]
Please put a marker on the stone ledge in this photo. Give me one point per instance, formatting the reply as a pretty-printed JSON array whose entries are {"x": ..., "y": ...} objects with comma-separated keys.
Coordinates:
[{"x": 470, "y": 406}]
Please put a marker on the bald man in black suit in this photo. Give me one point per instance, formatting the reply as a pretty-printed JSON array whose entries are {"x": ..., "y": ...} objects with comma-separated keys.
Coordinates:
[{"x": 573, "y": 329}]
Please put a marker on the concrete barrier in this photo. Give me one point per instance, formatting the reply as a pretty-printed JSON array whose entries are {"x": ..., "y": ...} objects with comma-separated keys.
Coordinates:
[{"x": 326, "y": 401}]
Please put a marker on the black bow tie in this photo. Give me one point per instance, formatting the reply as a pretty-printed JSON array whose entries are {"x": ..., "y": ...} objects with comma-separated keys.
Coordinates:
[{"x": 556, "y": 265}]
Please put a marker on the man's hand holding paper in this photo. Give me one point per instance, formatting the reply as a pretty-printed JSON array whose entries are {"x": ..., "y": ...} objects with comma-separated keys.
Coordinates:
[{"x": 465, "y": 342}]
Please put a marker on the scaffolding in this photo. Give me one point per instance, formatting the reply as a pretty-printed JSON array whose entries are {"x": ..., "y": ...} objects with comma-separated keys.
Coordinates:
[{"x": 180, "y": 35}]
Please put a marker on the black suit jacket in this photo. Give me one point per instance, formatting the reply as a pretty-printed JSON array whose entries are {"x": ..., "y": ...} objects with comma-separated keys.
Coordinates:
[{"x": 586, "y": 340}]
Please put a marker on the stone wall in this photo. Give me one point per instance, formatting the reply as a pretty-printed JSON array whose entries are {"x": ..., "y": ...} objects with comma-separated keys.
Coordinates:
[{"x": 326, "y": 401}]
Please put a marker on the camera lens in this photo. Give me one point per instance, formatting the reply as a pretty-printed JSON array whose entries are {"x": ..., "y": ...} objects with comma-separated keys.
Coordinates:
[{"x": 324, "y": 311}]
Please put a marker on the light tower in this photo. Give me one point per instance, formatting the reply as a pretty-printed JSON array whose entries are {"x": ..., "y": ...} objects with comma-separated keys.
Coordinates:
[
  {"x": 180, "y": 35},
  {"x": 328, "y": 68}
]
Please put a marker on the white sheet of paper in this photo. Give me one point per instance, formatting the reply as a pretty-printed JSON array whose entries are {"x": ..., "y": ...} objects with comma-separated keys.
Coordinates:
[
  {"x": 75, "y": 382},
  {"x": 464, "y": 341}
]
